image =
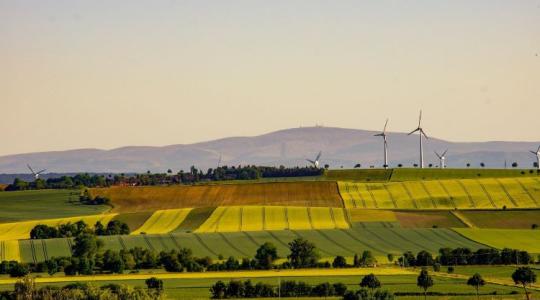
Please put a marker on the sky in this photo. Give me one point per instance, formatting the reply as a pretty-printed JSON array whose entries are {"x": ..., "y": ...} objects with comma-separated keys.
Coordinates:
[{"x": 106, "y": 74}]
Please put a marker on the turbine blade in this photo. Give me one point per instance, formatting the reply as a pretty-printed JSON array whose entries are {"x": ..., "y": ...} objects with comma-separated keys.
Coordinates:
[
  {"x": 533, "y": 152},
  {"x": 378, "y": 134},
  {"x": 538, "y": 149},
  {"x": 413, "y": 131},
  {"x": 31, "y": 170},
  {"x": 318, "y": 156},
  {"x": 420, "y": 119},
  {"x": 444, "y": 153},
  {"x": 437, "y": 154},
  {"x": 39, "y": 172},
  {"x": 422, "y": 132},
  {"x": 385, "y": 124},
  {"x": 310, "y": 161}
]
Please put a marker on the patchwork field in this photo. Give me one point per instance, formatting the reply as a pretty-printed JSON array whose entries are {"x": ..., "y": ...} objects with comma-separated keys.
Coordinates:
[
  {"x": 376, "y": 175},
  {"x": 528, "y": 240},
  {"x": 428, "y": 219},
  {"x": 332, "y": 242},
  {"x": 509, "y": 219},
  {"x": 21, "y": 230},
  {"x": 487, "y": 193},
  {"x": 408, "y": 174},
  {"x": 255, "y": 218},
  {"x": 307, "y": 193},
  {"x": 9, "y": 250},
  {"x": 31, "y": 205}
]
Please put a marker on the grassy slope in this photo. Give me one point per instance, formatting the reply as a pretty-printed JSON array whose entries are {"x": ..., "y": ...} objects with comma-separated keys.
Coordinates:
[
  {"x": 510, "y": 219},
  {"x": 133, "y": 220},
  {"x": 380, "y": 240},
  {"x": 194, "y": 219},
  {"x": 375, "y": 175},
  {"x": 522, "y": 239},
  {"x": 198, "y": 288},
  {"x": 405, "y": 174},
  {"x": 42, "y": 204},
  {"x": 317, "y": 193},
  {"x": 428, "y": 219}
]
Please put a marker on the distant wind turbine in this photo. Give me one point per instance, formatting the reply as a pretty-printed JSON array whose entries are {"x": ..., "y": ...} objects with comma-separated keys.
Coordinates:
[
  {"x": 537, "y": 153},
  {"x": 36, "y": 174},
  {"x": 383, "y": 134},
  {"x": 442, "y": 159},
  {"x": 219, "y": 161},
  {"x": 420, "y": 133},
  {"x": 315, "y": 162}
]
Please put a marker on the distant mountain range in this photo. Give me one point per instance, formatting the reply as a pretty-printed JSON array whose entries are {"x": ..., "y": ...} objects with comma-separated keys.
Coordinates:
[{"x": 289, "y": 147}]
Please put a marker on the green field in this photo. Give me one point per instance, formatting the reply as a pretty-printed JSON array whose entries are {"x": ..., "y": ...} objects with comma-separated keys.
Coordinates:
[
  {"x": 377, "y": 238},
  {"x": 31, "y": 205},
  {"x": 199, "y": 288},
  {"x": 528, "y": 240},
  {"x": 486, "y": 193},
  {"x": 509, "y": 219},
  {"x": 407, "y": 174}
]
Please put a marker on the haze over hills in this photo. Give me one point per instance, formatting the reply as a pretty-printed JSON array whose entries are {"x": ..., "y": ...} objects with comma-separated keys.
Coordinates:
[{"x": 289, "y": 147}]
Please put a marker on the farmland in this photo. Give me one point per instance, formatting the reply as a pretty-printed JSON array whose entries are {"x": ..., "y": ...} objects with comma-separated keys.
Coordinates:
[
  {"x": 528, "y": 240},
  {"x": 307, "y": 193},
  {"x": 31, "y": 205},
  {"x": 486, "y": 193},
  {"x": 513, "y": 219}
]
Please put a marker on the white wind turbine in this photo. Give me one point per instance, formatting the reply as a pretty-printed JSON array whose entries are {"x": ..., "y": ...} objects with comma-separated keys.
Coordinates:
[
  {"x": 36, "y": 174},
  {"x": 315, "y": 162},
  {"x": 420, "y": 133},
  {"x": 442, "y": 159},
  {"x": 537, "y": 153},
  {"x": 383, "y": 134}
]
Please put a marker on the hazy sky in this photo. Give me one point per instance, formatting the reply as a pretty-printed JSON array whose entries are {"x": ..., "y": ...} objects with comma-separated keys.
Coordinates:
[{"x": 103, "y": 74}]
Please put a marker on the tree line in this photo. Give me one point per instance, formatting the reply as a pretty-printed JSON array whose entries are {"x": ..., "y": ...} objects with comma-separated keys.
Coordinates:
[
  {"x": 192, "y": 176},
  {"x": 113, "y": 227}
]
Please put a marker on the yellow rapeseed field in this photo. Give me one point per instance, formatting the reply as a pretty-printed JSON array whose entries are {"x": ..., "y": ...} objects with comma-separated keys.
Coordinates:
[
  {"x": 21, "y": 230},
  {"x": 9, "y": 250},
  {"x": 163, "y": 221},
  {"x": 224, "y": 275},
  {"x": 254, "y": 218}
]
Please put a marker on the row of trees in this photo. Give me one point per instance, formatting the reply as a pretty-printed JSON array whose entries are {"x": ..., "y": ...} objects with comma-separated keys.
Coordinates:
[
  {"x": 194, "y": 175},
  {"x": 114, "y": 227},
  {"x": 465, "y": 256},
  {"x": 26, "y": 289}
]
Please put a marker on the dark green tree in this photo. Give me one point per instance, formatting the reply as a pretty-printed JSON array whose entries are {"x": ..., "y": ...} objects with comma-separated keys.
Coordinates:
[
  {"x": 266, "y": 255},
  {"x": 476, "y": 281},
  {"x": 424, "y": 281},
  {"x": 371, "y": 282},
  {"x": 524, "y": 276},
  {"x": 303, "y": 254}
]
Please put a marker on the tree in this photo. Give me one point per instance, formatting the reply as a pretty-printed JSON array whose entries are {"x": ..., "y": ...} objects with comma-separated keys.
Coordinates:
[
  {"x": 482, "y": 164},
  {"x": 113, "y": 262},
  {"x": 368, "y": 259},
  {"x": 303, "y": 253},
  {"x": 339, "y": 262},
  {"x": 424, "y": 258},
  {"x": 476, "y": 281},
  {"x": 514, "y": 165},
  {"x": 52, "y": 266},
  {"x": 155, "y": 285},
  {"x": 424, "y": 281},
  {"x": 86, "y": 245},
  {"x": 390, "y": 257},
  {"x": 524, "y": 276},
  {"x": 218, "y": 290},
  {"x": 266, "y": 255},
  {"x": 371, "y": 282}
]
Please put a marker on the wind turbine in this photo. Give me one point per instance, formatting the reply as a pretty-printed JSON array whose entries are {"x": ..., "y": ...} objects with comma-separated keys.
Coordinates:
[
  {"x": 537, "y": 153},
  {"x": 442, "y": 159},
  {"x": 315, "y": 162},
  {"x": 219, "y": 161},
  {"x": 383, "y": 134},
  {"x": 36, "y": 174},
  {"x": 420, "y": 133}
]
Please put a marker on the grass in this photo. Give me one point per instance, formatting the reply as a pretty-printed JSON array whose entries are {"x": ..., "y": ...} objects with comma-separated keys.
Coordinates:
[
  {"x": 163, "y": 221},
  {"x": 504, "y": 219},
  {"x": 407, "y": 174},
  {"x": 188, "y": 286},
  {"x": 371, "y": 215},
  {"x": 149, "y": 198},
  {"x": 365, "y": 175},
  {"x": 256, "y": 218},
  {"x": 427, "y": 219},
  {"x": 346, "y": 242},
  {"x": 195, "y": 219},
  {"x": 134, "y": 220},
  {"x": 486, "y": 193},
  {"x": 528, "y": 240},
  {"x": 30, "y": 205},
  {"x": 21, "y": 230}
]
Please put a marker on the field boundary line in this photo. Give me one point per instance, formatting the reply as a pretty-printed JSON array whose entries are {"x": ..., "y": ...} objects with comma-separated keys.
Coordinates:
[
  {"x": 487, "y": 279},
  {"x": 390, "y": 195},
  {"x": 360, "y": 195},
  {"x": 233, "y": 246},
  {"x": 368, "y": 188},
  {"x": 445, "y": 234},
  {"x": 150, "y": 246},
  {"x": 405, "y": 238},
  {"x": 361, "y": 242},
  {"x": 286, "y": 210},
  {"x": 347, "y": 215},
  {"x": 215, "y": 224},
  {"x": 2, "y": 250},
  {"x": 384, "y": 241},
  {"x": 205, "y": 246},
  {"x": 70, "y": 245},
  {"x": 121, "y": 241},
  {"x": 332, "y": 217},
  {"x": 175, "y": 242},
  {"x": 406, "y": 188},
  {"x": 463, "y": 219},
  {"x": 241, "y": 225},
  {"x": 487, "y": 193},
  {"x": 506, "y": 192},
  {"x": 348, "y": 193},
  {"x": 278, "y": 239},
  {"x": 44, "y": 246},
  {"x": 526, "y": 190},
  {"x": 310, "y": 218},
  {"x": 474, "y": 241},
  {"x": 33, "y": 251},
  {"x": 451, "y": 198},
  {"x": 318, "y": 246},
  {"x": 263, "y": 217},
  {"x": 250, "y": 238},
  {"x": 428, "y": 193},
  {"x": 324, "y": 235},
  {"x": 473, "y": 204},
  {"x": 426, "y": 237},
  {"x": 162, "y": 242}
]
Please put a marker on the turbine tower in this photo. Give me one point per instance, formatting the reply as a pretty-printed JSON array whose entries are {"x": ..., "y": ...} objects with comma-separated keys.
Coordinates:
[
  {"x": 537, "y": 153},
  {"x": 420, "y": 133},
  {"x": 36, "y": 174},
  {"x": 442, "y": 159},
  {"x": 315, "y": 162},
  {"x": 383, "y": 134}
]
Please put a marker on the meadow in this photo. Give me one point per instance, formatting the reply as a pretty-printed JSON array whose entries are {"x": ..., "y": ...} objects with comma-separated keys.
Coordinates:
[{"x": 524, "y": 239}]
